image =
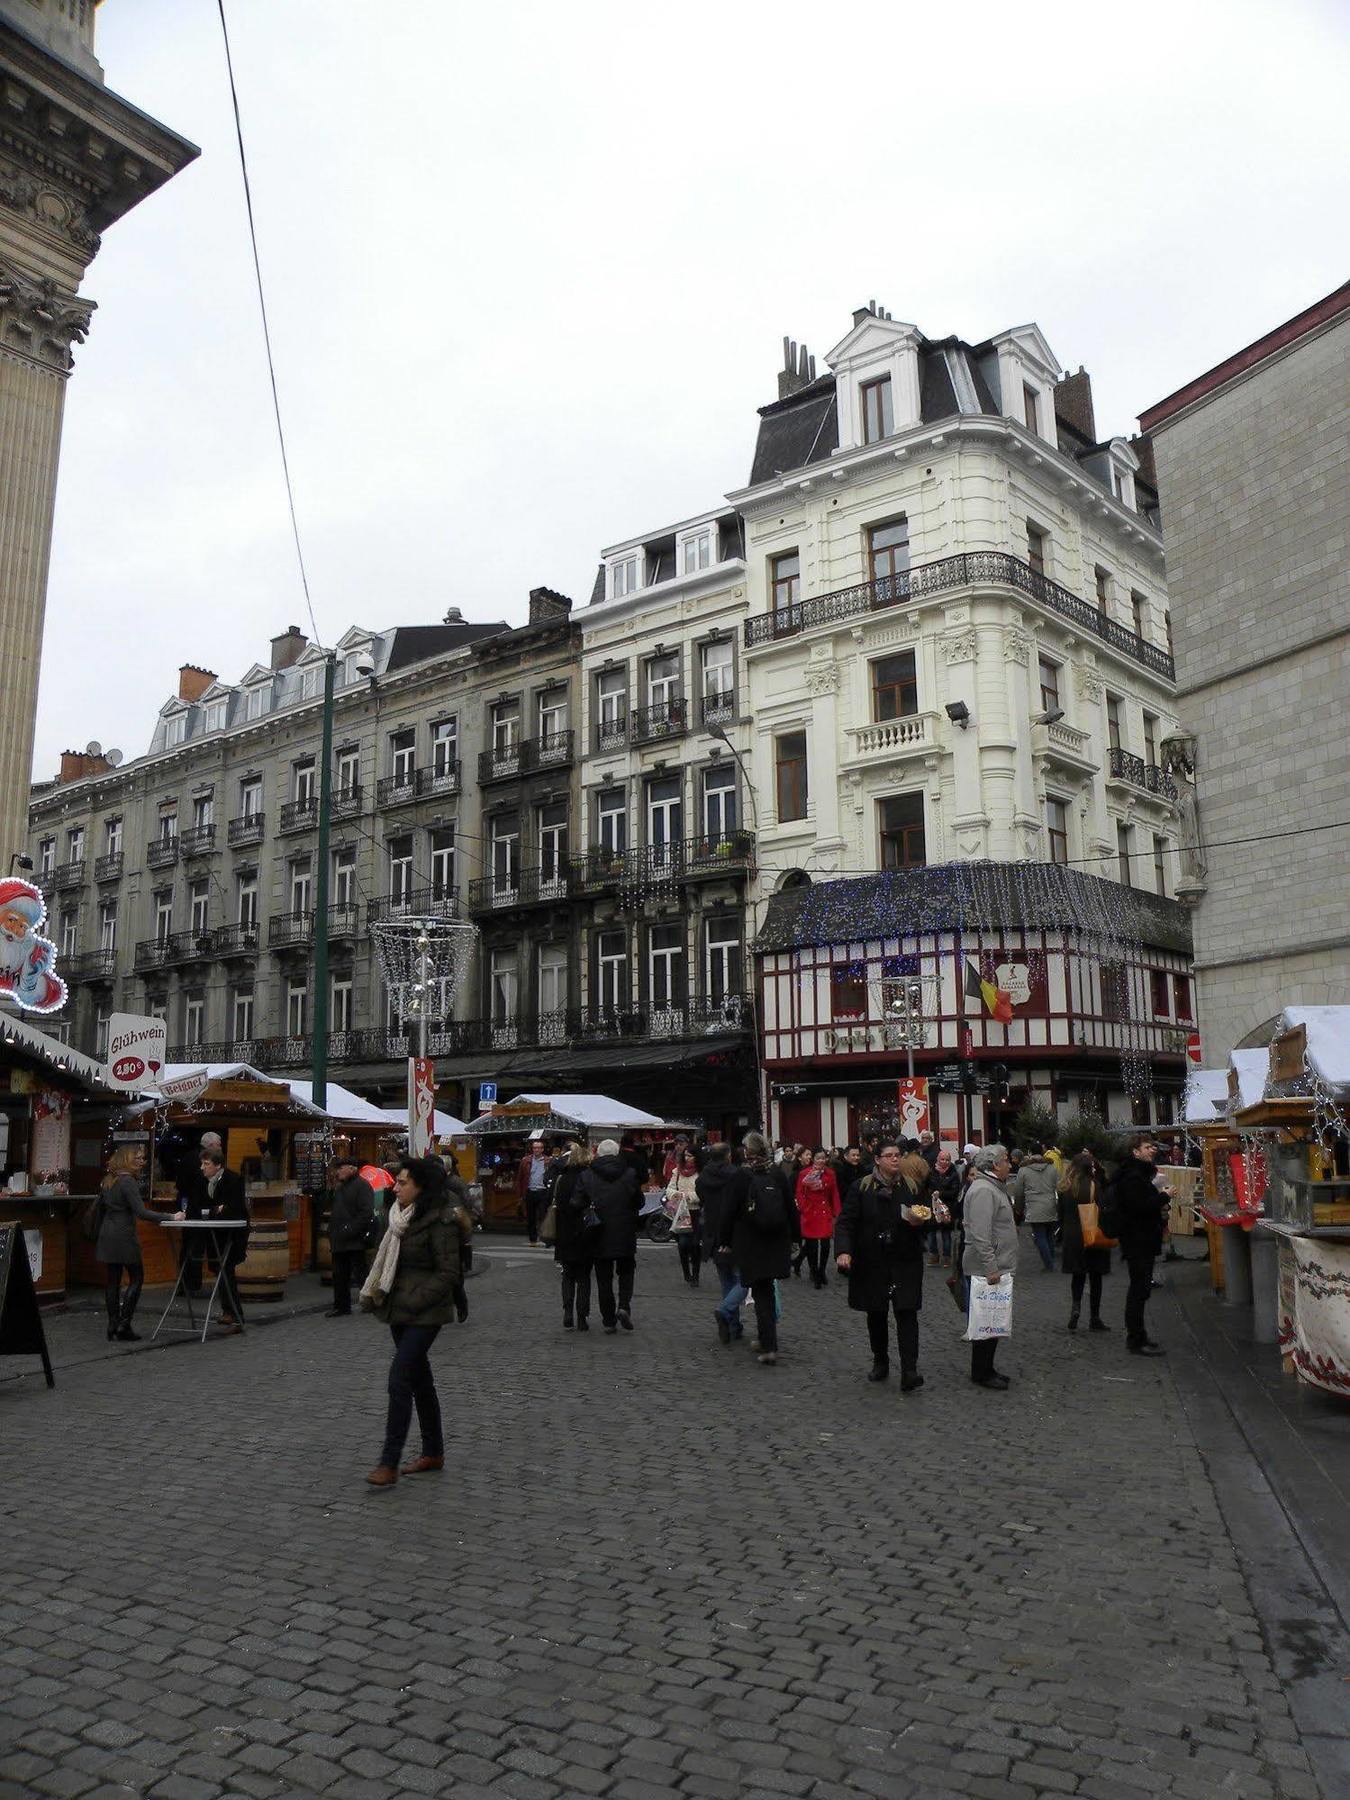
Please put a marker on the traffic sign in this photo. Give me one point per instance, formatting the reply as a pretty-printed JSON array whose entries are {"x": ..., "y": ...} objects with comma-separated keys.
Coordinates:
[
  {"x": 487, "y": 1095},
  {"x": 1193, "y": 1048}
]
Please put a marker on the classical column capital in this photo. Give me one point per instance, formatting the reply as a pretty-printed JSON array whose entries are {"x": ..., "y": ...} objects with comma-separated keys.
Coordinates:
[{"x": 39, "y": 320}]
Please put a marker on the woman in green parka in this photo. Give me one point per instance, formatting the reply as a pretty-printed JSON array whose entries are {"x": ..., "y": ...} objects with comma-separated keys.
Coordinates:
[{"x": 412, "y": 1286}]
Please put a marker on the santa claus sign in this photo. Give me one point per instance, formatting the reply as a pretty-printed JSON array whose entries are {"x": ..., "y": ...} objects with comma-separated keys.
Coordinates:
[{"x": 27, "y": 959}]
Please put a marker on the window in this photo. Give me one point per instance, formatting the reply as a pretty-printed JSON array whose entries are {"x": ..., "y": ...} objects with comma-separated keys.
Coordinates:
[
  {"x": 403, "y": 756},
  {"x": 1151, "y": 740},
  {"x": 444, "y": 747},
  {"x": 250, "y": 800},
  {"x": 1113, "y": 721},
  {"x": 340, "y": 1004},
  {"x": 1115, "y": 992},
  {"x": 502, "y": 986},
  {"x": 552, "y": 825},
  {"x": 888, "y": 555},
  {"x": 199, "y": 906},
  {"x": 1124, "y": 833},
  {"x": 722, "y": 958},
  {"x": 611, "y": 971},
  {"x": 175, "y": 730},
  {"x": 504, "y": 840},
  {"x": 895, "y": 688},
  {"x": 168, "y": 826},
  {"x": 611, "y": 814},
  {"x": 246, "y": 898},
  {"x": 1182, "y": 987},
  {"x": 716, "y": 672},
  {"x": 789, "y": 755},
  {"x": 505, "y": 726},
  {"x": 75, "y": 844},
  {"x": 302, "y": 887},
  {"x": 1103, "y": 581},
  {"x": 344, "y": 876},
  {"x": 665, "y": 967},
  {"x": 665, "y": 816},
  {"x": 1036, "y": 547},
  {"x": 203, "y": 812},
  {"x": 697, "y": 552},
  {"x": 303, "y": 782},
  {"x": 1031, "y": 411},
  {"x": 663, "y": 681},
  {"x": 623, "y": 577},
  {"x": 255, "y": 703},
  {"x": 551, "y": 713},
  {"x": 1049, "y": 679},
  {"x": 194, "y": 1018},
  {"x": 213, "y": 716},
  {"x": 719, "y": 803},
  {"x": 163, "y": 914},
  {"x": 46, "y": 856},
  {"x": 107, "y": 925},
  {"x": 311, "y": 682},
  {"x": 848, "y": 991},
  {"x": 1139, "y": 613},
  {"x": 348, "y": 773},
  {"x": 70, "y": 930},
  {"x": 297, "y": 1006},
  {"x": 242, "y": 1011},
  {"x": 552, "y": 984},
  {"x": 400, "y": 851},
  {"x": 102, "y": 1020},
  {"x": 611, "y": 702},
  {"x": 1057, "y": 829},
  {"x": 1158, "y": 992},
  {"x": 902, "y": 837},
  {"x": 785, "y": 580},
  {"x": 443, "y": 862},
  {"x": 112, "y": 837},
  {"x": 878, "y": 412},
  {"x": 1159, "y": 864}
]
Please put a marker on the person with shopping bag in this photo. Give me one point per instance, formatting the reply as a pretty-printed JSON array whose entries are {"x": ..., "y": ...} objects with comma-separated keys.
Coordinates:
[
  {"x": 990, "y": 1255},
  {"x": 684, "y": 1205},
  {"x": 1085, "y": 1249}
]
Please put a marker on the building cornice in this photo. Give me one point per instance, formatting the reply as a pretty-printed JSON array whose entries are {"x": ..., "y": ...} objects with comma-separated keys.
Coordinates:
[{"x": 704, "y": 583}]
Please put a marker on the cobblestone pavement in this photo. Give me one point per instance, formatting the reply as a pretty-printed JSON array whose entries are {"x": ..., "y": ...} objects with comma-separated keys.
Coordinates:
[{"x": 655, "y": 1567}]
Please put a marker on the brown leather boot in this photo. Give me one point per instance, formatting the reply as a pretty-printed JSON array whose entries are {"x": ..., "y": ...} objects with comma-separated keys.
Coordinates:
[
  {"x": 382, "y": 1476},
  {"x": 423, "y": 1465}
]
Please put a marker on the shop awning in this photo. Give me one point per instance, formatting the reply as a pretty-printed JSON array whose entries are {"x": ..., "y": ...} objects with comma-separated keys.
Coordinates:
[
  {"x": 53, "y": 1053},
  {"x": 561, "y": 1114},
  {"x": 341, "y": 1104},
  {"x": 444, "y": 1124}
]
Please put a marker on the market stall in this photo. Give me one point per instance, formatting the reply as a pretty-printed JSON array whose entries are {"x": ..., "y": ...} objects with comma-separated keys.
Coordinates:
[
  {"x": 500, "y": 1139},
  {"x": 1233, "y": 1184}
]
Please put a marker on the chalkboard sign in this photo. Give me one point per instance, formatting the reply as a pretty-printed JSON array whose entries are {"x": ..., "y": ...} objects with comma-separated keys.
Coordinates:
[{"x": 21, "y": 1332}]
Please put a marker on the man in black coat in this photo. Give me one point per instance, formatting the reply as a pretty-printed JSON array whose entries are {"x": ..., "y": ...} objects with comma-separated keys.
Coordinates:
[
  {"x": 758, "y": 1228},
  {"x": 225, "y": 1199},
  {"x": 878, "y": 1244},
  {"x": 719, "y": 1181},
  {"x": 1137, "y": 1207},
  {"x": 351, "y": 1221},
  {"x": 611, "y": 1187}
]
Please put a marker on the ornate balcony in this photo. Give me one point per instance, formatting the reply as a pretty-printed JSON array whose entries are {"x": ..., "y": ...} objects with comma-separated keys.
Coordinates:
[
  {"x": 397, "y": 790},
  {"x": 1132, "y": 771},
  {"x": 717, "y": 709},
  {"x": 68, "y": 875},
  {"x": 419, "y": 903},
  {"x": 525, "y": 757},
  {"x": 346, "y": 802},
  {"x": 652, "y": 724},
  {"x": 1065, "y": 746},
  {"x": 343, "y": 919},
  {"x": 445, "y": 780},
  {"x": 290, "y": 931},
  {"x": 889, "y": 740},
  {"x": 190, "y": 946},
  {"x": 299, "y": 815},
  {"x": 90, "y": 965},
  {"x": 109, "y": 868},
  {"x": 979, "y": 568},
  {"x": 236, "y": 940},
  {"x": 611, "y": 734},
  {"x": 248, "y": 830},
  {"x": 533, "y": 886},
  {"x": 200, "y": 840},
  {"x": 161, "y": 852},
  {"x": 153, "y": 953}
]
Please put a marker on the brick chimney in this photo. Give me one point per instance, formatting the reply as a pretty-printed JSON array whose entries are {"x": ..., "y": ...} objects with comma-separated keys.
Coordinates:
[
  {"x": 76, "y": 764},
  {"x": 548, "y": 606},
  {"x": 193, "y": 682},
  {"x": 1073, "y": 404},
  {"x": 289, "y": 647},
  {"x": 798, "y": 370}
]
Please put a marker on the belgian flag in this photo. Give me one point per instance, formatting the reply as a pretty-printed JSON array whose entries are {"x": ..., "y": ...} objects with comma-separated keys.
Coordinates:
[{"x": 997, "y": 1001}]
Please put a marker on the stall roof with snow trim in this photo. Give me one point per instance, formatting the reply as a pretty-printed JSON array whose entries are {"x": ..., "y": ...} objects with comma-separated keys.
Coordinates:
[
  {"x": 215, "y": 1072},
  {"x": 561, "y": 1114},
  {"x": 53, "y": 1054},
  {"x": 341, "y": 1105},
  {"x": 1250, "y": 1068},
  {"x": 1327, "y": 1032},
  {"x": 1206, "y": 1096},
  {"x": 444, "y": 1124}
]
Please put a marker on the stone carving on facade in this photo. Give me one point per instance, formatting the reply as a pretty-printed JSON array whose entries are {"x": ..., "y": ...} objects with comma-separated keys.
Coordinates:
[
  {"x": 1016, "y": 647},
  {"x": 1178, "y": 751},
  {"x": 40, "y": 201},
  {"x": 822, "y": 678},
  {"x": 1088, "y": 682},
  {"x": 39, "y": 320},
  {"x": 962, "y": 648}
]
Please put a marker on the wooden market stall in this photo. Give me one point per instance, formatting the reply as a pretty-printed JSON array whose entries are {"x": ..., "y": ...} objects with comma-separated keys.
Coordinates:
[{"x": 500, "y": 1139}]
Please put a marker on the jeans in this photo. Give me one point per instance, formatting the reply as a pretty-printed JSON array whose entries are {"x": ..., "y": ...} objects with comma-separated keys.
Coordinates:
[
  {"x": 982, "y": 1354},
  {"x": 906, "y": 1336},
  {"x": 766, "y": 1325},
  {"x": 121, "y": 1308},
  {"x": 1044, "y": 1236},
  {"x": 348, "y": 1265},
  {"x": 734, "y": 1292},
  {"x": 576, "y": 1290},
  {"x": 939, "y": 1240},
  {"x": 1094, "y": 1287},
  {"x": 605, "y": 1267},
  {"x": 1140, "y": 1265},
  {"x": 411, "y": 1383},
  {"x": 690, "y": 1247}
]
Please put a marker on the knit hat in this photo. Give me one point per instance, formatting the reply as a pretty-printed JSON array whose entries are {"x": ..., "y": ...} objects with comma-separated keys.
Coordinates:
[{"x": 607, "y": 1147}]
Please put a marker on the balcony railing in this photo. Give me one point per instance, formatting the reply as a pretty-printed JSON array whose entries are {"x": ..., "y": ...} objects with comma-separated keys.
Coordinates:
[
  {"x": 719, "y": 708},
  {"x": 90, "y": 965},
  {"x": 916, "y": 732},
  {"x": 538, "y": 884},
  {"x": 1124, "y": 765},
  {"x": 198, "y": 840},
  {"x": 68, "y": 875},
  {"x": 153, "y": 953},
  {"x": 667, "y": 719},
  {"x": 109, "y": 868},
  {"x": 237, "y": 939},
  {"x": 343, "y": 919},
  {"x": 418, "y": 903},
  {"x": 977, "y": 568},
  {"x": 346, "y": 802},
  {"x": 397, "y": 790},
  {"x": 290, "y": 930},
  {"x": 161, "y": 852},
  {"x": 598, "y": 870},
  {"x": 525, "y": 757},
  {"x": 611, "y": 733},
  {"x": 248, "y": 830},
  {"x": 299, "y": 815}
]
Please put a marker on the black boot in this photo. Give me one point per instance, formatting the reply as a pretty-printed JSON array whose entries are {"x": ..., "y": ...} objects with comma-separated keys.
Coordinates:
[
  {"x": 1073, "y": 1320},
  {"x": 879, "y": 1371},
  {"x": 1096, "y": 1323}
]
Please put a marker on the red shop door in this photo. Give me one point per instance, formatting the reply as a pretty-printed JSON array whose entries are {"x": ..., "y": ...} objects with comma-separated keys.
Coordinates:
[{"x": 799, "y": 1122}]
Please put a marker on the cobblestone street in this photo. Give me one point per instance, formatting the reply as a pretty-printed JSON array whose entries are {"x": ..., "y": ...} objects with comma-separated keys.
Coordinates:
[{"x": 655, "y": 1567}]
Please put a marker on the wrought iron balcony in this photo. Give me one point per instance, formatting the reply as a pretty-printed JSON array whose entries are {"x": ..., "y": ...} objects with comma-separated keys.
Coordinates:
[
  {"x": 533, "y": 886},
  {"x": 445, "y": 780},
  {"x": 725, "y": 853},
  {"x": 290, "y": 931},
  {"x": 346, "y": 802},
  {"x": 237, "y": 939},
  {"x": 718, "y": 708},
  {"x": 397, "y": 790},
  {"x": 216, "y": 1050},
  {"x": 198, "y": 840},
  {"x": 1125, "y": 766},
  {"x": 343, "y": 919},
  {"x": 193, "y": 945},
  {"x": 109, "y": 868},
  {"x": 153, "y": 953},
  {"x": 977, "y": 568},
  {"x": 299, "y": 815},
  {"x": 161, "y": 852},
  {"x": 69, "y": 875},
  {"x": 418, "y": 903},
  {"x": 525, "y": 757},
  {"x": 668, "y": 719},
  {"x": 248, "y": 830},
  {"x": 611, "y": 733},
  {"x": 600, "y": 870},
  {"x": 90, "y": 965}
]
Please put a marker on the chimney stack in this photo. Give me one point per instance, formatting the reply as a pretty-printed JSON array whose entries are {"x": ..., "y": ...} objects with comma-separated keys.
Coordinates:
[
  {"x": 76, "y": 764},
  {"x": 798, "y": 370},
  {"x": 548, "y": 607},
  {"x": 193, "y": 682},
  {"x": 289, "y": 647},
  {"x": 1073, "y": 403}
]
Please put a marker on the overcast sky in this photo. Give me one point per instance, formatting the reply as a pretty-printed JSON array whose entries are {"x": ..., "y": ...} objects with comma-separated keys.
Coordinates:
[{"x": 529, "y": 267}]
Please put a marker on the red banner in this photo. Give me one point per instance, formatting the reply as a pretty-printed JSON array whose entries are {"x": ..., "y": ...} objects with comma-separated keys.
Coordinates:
[
  {"x": 912, "y": 1105},
  {"x": 421, "y": 1104}
]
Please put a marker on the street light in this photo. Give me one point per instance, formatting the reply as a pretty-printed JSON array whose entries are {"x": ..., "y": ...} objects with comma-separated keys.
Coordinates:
[{"x": 20, "y": 860}]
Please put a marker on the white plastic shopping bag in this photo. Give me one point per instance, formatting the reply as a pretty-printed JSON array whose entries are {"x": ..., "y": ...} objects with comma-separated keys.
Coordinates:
[{"x": 990, "y": 1314}]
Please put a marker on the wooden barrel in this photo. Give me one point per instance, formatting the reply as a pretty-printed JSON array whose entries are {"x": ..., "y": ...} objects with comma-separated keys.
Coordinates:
[{"x": 262, "y": 1274}]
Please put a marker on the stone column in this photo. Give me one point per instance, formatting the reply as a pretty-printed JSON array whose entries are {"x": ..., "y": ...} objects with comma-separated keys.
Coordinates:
[{"x": 39, "y": 323}]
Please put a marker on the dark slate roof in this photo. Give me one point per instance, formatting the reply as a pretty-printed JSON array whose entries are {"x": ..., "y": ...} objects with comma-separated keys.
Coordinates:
[
  {"x": 957, "y": 896},
  {"x": 416, "y": 643},
  {"x": 598, "y": 589},
  {"x": 802, "y": 429}
]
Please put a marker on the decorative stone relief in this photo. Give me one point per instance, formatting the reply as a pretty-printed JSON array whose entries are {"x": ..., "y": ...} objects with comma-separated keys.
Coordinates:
[
  {"x": 39, "y": 320},
  {"x": 1016, "y": 647},
  {"x": 822, "y": 678},
  {"x": 960, "y": 649},
  {"x": 48, "y": 206},
  {"x": 1088, "y": 682}
]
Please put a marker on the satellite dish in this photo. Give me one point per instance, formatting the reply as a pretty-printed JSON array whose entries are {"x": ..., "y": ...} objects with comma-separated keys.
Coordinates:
[
  {"x": 114, "y": 758},
  {"x": 93, "y": 748}
]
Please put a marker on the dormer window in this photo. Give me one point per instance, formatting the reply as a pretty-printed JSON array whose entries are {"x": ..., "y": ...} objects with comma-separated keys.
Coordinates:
[
  {"x": 624, "y": 577},
  {"x": 213, "y": 716},
  {"x": 311, "y": 682},
  {"x": 697, "y": 552},
  {"x": 175, "y": 730},
  {"x": 1031, "y": 411},
  {"x": 256, "y": 703},
  {"x": 878, "y": 411}
]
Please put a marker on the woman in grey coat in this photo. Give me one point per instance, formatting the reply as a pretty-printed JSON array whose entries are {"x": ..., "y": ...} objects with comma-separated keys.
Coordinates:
[
  {"x": 1034, "y": 1186},
  {"x": 991, "y": 1244},
  {"x": 118, "y": 1245}
]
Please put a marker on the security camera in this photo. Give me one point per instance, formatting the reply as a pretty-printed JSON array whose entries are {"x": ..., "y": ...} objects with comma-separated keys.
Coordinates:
[{"x": 364, "y": 666}]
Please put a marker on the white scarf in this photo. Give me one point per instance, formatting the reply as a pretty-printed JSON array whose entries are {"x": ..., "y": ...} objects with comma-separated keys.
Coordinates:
[{"x": 385, "y": 1266}]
